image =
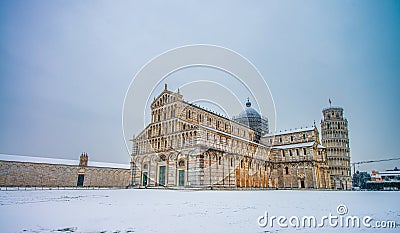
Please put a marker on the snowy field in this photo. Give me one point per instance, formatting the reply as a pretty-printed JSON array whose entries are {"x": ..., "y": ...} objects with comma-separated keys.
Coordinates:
[{"x": 184, "y": 211}]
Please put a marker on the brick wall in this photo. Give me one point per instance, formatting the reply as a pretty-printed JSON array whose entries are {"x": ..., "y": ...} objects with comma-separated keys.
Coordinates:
[{"x": 59, "y": 175}]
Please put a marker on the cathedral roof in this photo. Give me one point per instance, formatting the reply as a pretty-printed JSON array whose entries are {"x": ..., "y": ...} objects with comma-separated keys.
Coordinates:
[
  {"x": 297, "y": 145},
  {"x": 290, "y": 131},
  {"x": 234, "y": 136}
]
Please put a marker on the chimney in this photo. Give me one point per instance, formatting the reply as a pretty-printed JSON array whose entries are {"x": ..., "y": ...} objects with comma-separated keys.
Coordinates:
[{"x": 83, "y": 160}]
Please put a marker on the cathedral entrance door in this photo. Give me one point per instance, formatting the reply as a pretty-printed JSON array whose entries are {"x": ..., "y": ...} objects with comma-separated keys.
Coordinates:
[
  {"x": 302, "y": 184},
  {"x": 181, "y": 178},
  {"x": 161, "y": 176},
  {"x": 144, "y": 181}
]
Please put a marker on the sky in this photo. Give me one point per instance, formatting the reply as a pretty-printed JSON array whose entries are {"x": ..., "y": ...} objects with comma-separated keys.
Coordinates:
[{"x": 65, "y": 67}]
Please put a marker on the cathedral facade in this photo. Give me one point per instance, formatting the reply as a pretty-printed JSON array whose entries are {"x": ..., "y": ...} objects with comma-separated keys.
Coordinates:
[{"x": 186, "y": 146}]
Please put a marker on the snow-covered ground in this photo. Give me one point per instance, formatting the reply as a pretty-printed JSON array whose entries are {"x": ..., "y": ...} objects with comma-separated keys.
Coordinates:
[{"x": 183, "y": 211}]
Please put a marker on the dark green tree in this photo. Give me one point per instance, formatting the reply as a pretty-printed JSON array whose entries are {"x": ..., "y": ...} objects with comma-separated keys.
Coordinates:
[{"x": 360, "y": 179}]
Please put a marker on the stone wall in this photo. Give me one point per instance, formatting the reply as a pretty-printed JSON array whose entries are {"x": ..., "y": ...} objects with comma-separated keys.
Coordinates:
[{"x": 59, "y": 175}]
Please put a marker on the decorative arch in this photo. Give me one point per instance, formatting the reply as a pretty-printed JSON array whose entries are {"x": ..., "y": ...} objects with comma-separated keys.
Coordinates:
[
  {"x": 180, "y": 156},
  {"x": 172, "y": 156},
  {"x": 192, "y": 154},
  {"x": 181, "y": 163},
  {"x": 163, "y": 158}
]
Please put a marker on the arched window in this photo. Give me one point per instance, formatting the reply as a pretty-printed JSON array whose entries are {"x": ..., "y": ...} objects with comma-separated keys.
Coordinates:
[
  {"x": 181, "y": 163},
  {"x": 286, "y": 170}
]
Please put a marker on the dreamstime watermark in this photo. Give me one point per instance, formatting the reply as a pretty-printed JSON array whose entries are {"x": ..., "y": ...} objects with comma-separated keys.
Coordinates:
[{"x": 341, "y": 219}]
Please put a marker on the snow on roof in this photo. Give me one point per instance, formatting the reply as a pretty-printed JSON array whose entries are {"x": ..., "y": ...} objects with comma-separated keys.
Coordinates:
[
  {"x": 388, "y": 173},
  {"x": 233, "y": 136},
  {"x": 109, "y": 165},
  {"x": 31, "y": 159},
  {"x": 289, "y": 131},
  {"x": 289, "y": 146}
]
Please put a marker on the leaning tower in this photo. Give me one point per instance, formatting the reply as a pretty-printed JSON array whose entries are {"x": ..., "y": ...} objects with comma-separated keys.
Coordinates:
[{"x": 335, "y": 137}]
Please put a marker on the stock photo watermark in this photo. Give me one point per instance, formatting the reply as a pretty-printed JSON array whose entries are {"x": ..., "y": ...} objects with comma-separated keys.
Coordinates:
[{"x": 340, "y": 219}]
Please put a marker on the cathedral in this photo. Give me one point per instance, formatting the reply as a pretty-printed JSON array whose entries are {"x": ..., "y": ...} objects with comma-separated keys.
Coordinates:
[{"x": 186, "y": 146}]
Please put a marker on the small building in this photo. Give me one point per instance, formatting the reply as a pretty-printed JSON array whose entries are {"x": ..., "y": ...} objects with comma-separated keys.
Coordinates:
[
  {"x": 386, "y": 180},
  {"x": 27, "y": 171}
]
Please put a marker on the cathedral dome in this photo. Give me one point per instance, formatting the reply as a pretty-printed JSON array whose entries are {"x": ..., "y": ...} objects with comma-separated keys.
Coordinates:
[
  {"x": 250, "y": 117},
  {"x": 249, "y": 112}
]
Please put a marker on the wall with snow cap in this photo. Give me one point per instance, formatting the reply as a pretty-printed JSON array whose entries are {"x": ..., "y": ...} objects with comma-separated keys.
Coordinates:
[{"x": 45, "y": 172}]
